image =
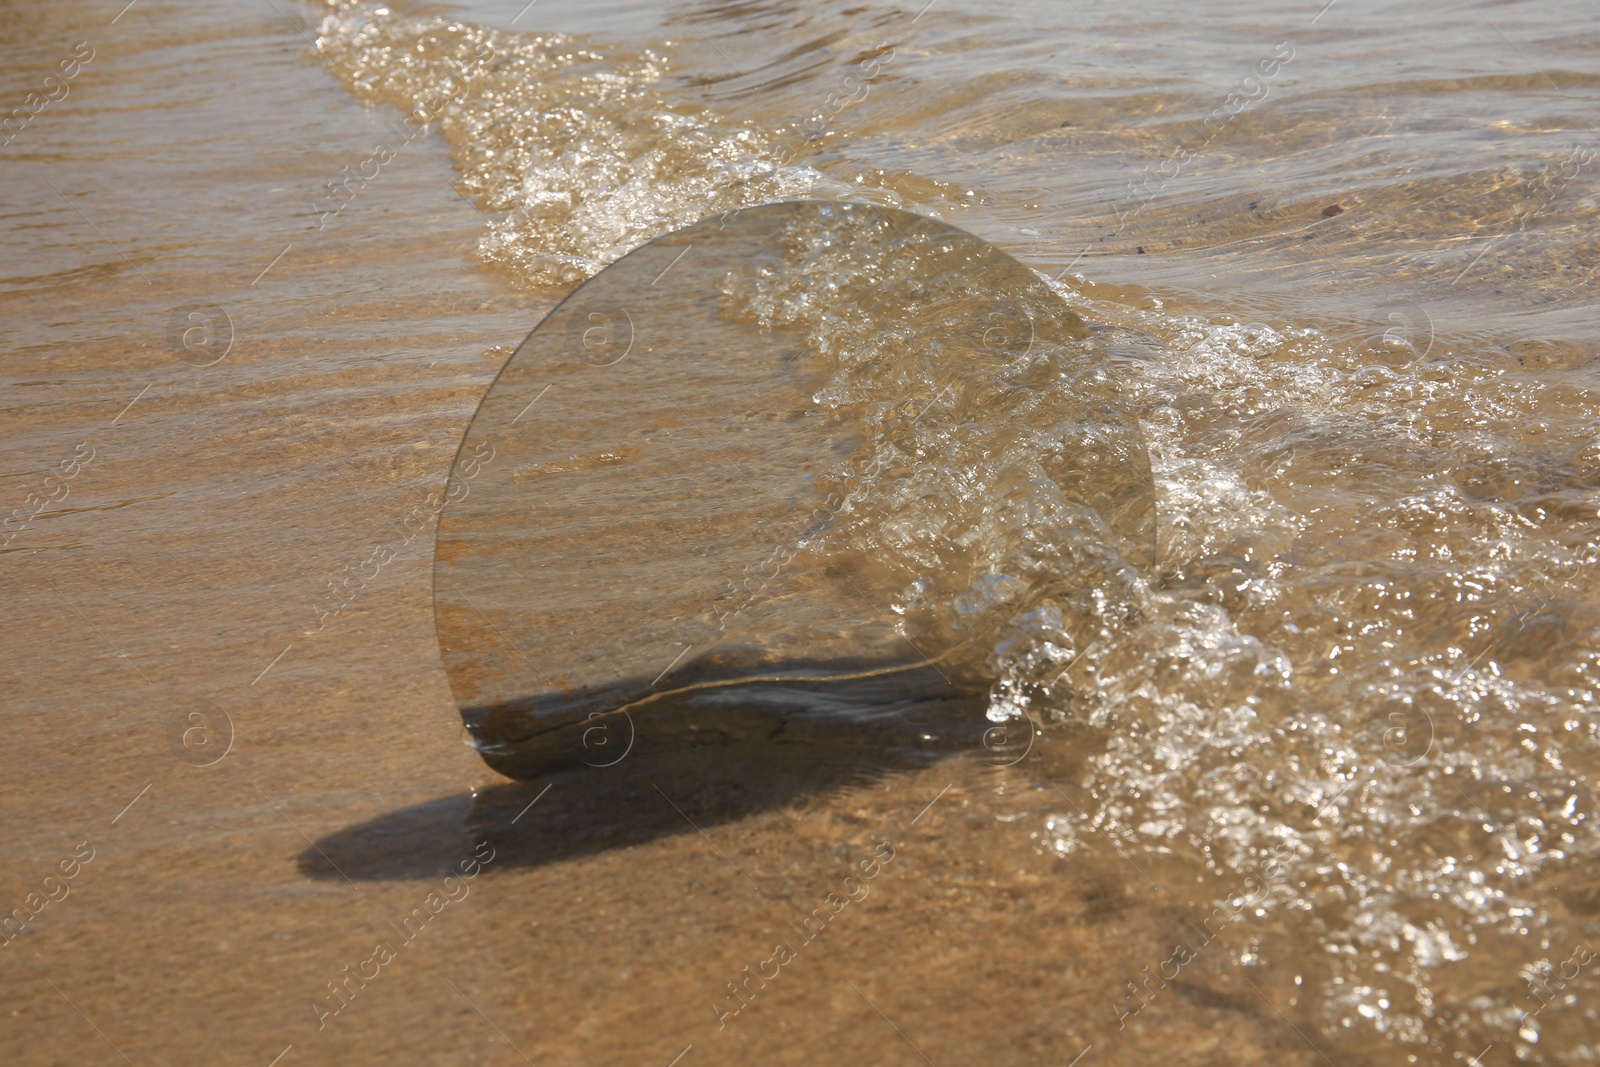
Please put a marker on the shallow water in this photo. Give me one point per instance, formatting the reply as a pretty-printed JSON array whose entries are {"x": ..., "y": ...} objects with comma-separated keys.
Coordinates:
[{"x": 1312, "y": 788}]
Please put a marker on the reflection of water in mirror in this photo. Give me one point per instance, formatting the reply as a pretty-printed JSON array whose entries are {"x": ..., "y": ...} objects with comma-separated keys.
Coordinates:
[{"x": 874, "y": 450}]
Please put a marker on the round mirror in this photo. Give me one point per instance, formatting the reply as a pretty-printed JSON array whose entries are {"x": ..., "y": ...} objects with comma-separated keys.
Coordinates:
[{"x": 753, "y": 479}]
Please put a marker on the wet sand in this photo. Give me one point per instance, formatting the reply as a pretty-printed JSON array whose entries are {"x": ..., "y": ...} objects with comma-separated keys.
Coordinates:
[{"x": 269, "y": 793}]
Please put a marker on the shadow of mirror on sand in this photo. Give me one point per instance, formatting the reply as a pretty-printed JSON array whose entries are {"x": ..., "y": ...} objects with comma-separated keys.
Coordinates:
[{"x": 696, "y": 760}]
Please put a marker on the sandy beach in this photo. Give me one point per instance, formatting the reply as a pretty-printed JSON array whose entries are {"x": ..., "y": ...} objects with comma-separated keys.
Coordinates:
[{"x": 1312, "y": 787}]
